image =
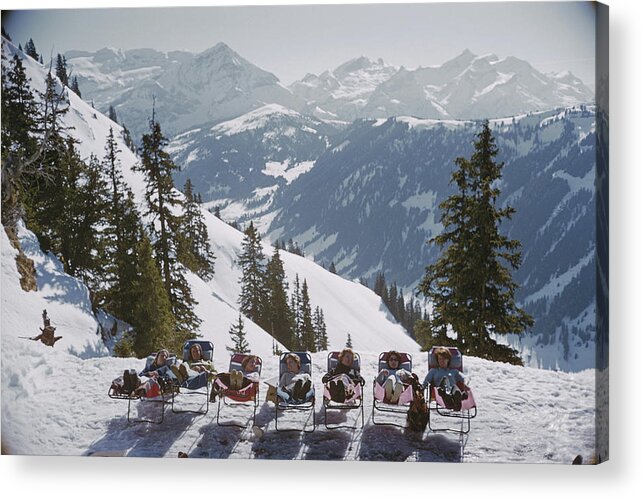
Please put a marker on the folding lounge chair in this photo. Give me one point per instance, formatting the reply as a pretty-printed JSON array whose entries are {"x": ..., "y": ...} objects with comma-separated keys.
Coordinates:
[
  {"x": 380, "y": 404},
  {"x": 436, "y": 403},
  {"x": 354, "y": 403},
  {"x": 238, "y": 397},
  {"x": 281, "y": 406},
  {"x": 166, "y": 392},
  {"x": 208, "y": 354}
]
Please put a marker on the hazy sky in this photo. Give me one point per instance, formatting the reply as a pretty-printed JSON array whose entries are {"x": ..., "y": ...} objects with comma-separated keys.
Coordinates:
[{"x": 293, "y": 40}]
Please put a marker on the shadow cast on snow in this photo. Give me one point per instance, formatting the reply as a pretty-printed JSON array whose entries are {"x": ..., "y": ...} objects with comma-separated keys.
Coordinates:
[{"x": 394, "y": 444}]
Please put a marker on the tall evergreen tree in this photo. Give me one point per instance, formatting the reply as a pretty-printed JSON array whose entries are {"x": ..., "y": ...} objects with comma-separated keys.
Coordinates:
[
  {"x": 194, "y": 250},
  {"x": 297, "y": 314},
  {"x": 125, "y": 262},
  {"x": 349, "y": 341},
  {"x": 471, "y": 286},
  {"x": 379, "y": 284},
  {"x": 19, "y": 143},
  {"x": 71, "y": 216},
  {"x": 307, "y": 328},
  {"x": 279, "y": 314},
  {"x": 253, "y": 298},
  {"x": 61, "y": 69},
  {"x": 56, "y": 165},
  {"x": 74, "y": 87},
  {"x": 87, "y": 211},
  {"x": 320, "y": 330},
  {"x": 30, "y": 49},
  {"x": 152, "y": 319},
  {"x": 239, "y": 342},
  {"x": 127, "y": 138},
  {"x": 122, "y": 233},
  {"x": 162, "y": 200},
  {"x": 112, "y": 114}
]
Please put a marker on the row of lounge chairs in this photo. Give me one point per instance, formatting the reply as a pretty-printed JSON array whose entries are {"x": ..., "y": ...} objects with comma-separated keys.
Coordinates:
[{"x": 248, "y": 396}]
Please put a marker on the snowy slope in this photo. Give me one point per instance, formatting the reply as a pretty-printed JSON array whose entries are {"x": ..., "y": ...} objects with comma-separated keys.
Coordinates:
[{"x": 525, "y": 415}]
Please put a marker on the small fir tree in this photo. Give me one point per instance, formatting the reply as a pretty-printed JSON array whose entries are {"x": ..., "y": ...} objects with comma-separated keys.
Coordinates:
[{"x": 237, "y": 333}]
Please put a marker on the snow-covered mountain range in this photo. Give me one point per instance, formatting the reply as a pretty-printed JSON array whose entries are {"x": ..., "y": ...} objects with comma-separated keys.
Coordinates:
[
  {"x": 188, "y": 89},
  {"x": 219, "y": 84}
]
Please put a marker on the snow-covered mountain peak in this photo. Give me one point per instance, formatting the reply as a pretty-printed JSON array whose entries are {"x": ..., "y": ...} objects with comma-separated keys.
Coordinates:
[
  {"x": 359, "y": 64},
  {"x": 220, "y": 55},
  {"x": 460, "y": 61},
  {"x": 257, "y": 118}
]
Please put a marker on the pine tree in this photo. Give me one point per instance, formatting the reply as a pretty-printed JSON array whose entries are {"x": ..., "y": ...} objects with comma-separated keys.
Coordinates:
[
  {"x": 297, "y": 315},
  {"x": 379, "y": 285},
  {"x": 332, "y": 268},
  {"x": 19, "y": 143},
  {"x": 112, "y": 114},
  {"x": 125, "y": 264},
  {"x": 87, "y": 212},
  {"x": 30, "y": 49},
  {"x": 279, "y": 314},
  {"x": 71, "y": 215},
  {"x": 237, "y": 333},
  {"x": 349, "y": 341},
  {"x": 61, "y": 69},
  {"x": 162, "y": 200},
  {"x": 75, "y": 88},
  {"x": 254, "y": 294},
  {"x": 391, "y": 301},
  {"x": 55, "y": 167},
  {"x": 121, "y": 234},
  {"x": 153, "y": 322},
  {"x": 320, "y": 330},
  {"x": 194, "y": 250},
  {"x": 472, "y": 291},
  {"x": 307, "y": 329}
]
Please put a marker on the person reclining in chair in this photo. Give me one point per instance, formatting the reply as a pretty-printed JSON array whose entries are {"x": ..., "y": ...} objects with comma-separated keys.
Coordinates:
[
  {"x": 153, "y": 376},
  {"x": 448, "y": 381},
  {"x": 240, "y": 379},
  {"x": 392, "y": 378},
  {"x": 343, "y": 378},
  {"x": 148, "y": 382},
  {"x": 294, "y": 387},
  {"x": 196, "y": 371}
]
